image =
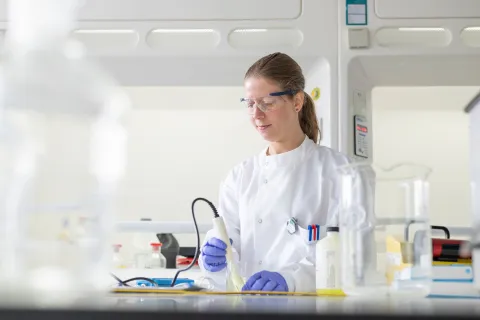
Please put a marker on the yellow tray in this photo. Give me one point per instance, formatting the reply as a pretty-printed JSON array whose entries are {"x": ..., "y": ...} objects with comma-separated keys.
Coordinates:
[{"x": 321, "y": 292}]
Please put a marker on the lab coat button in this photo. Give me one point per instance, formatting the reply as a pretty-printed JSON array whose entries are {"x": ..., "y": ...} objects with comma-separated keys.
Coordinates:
[
  {"x": 260, "y": 220},
  {"x": 266, "y": 181},
  {"x": 260, "y": 262}
]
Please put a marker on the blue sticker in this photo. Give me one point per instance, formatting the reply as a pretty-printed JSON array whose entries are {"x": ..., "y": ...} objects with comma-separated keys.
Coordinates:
[{"x": 356, "y": 12}]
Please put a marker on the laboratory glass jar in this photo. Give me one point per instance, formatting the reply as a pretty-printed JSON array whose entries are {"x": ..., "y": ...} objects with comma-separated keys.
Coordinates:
[{"x": 385, "y": 230}]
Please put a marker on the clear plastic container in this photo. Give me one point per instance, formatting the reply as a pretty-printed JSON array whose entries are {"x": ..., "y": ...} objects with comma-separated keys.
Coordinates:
[
  {"x": 156, "y": 259},
  {"x": 385, "y": 230},
  {"x": 62, "y": 133}
]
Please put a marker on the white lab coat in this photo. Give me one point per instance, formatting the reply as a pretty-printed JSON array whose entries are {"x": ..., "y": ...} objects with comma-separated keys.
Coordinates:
[{"x": 258, "y": 197}]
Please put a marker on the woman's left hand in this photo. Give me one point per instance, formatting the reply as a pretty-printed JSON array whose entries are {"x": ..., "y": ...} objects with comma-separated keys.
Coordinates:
[{"x": 266, "y": 281}]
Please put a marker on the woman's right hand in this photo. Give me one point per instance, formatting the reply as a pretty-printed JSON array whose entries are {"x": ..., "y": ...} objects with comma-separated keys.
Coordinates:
[{"x": 214, "y": 255}]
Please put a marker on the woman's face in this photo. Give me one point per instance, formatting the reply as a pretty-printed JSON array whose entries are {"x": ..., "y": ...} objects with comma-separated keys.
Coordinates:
[{"x": 280, "y": 118}]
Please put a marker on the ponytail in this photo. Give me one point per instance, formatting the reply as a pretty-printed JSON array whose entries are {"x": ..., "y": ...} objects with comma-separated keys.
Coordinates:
[{"x": 308, "y": 119}]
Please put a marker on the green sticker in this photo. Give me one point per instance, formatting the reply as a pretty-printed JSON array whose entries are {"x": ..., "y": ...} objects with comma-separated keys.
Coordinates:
[{"x": 356, "y": 12}]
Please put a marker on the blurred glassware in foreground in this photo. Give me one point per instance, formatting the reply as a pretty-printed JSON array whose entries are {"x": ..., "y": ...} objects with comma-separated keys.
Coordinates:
[{"x": 62, "y": 154}]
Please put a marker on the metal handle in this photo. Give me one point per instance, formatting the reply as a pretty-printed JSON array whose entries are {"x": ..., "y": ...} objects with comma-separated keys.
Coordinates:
[{"x": 444, "y": 229}]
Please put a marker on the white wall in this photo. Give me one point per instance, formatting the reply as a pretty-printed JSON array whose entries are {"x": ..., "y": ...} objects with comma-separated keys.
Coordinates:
[
  {"x": 428, "y": 126},
  {"x": 182, "y": 143}
]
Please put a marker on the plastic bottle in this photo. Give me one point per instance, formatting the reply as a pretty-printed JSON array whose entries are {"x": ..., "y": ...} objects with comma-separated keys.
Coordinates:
[
  {"x": 61, "y": 127},
  {"x": 327, "y": 264},
  {"x": 156, "y": 260}
]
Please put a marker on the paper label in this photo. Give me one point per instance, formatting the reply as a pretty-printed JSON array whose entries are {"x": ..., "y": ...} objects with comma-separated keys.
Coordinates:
[{"x": 356, "y": 13}]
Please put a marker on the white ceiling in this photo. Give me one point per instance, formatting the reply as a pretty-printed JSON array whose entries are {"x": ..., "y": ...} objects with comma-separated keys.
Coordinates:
[{"x": 423, "y": 98}]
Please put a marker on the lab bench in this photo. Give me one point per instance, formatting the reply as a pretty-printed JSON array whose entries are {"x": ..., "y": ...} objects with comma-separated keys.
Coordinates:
[{"x": 233, "y": 307}]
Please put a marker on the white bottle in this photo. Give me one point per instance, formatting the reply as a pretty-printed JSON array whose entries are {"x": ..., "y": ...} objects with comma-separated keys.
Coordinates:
[
  {"x": 156, "y": 260},
  {"x": 327, "y": 264}
]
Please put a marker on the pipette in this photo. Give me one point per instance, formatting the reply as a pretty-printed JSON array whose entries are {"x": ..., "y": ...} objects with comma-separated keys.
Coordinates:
[{"x": 234, "y": 277}]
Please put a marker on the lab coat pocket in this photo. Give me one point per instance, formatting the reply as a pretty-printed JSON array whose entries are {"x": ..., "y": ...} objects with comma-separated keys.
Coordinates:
[
  {"x": 306, "y": 236},
  {"x": 305, "y": 247}
]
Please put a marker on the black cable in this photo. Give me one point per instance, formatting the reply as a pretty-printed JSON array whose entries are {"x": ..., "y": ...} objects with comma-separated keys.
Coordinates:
[
  {"x": 120, "y": 281},
  {"x": 125, "y": 282},
  {"x": 197, "y": 251}
]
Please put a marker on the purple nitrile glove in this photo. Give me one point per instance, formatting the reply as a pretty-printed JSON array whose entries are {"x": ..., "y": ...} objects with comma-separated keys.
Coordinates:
[
  {"x": 266, "y": 281},
  {"x": 214, "y": 255}
]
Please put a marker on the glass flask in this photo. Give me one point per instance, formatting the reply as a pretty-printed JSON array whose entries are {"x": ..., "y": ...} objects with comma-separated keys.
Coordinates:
[
  {"x": 385, "y": 230},
  {"x": 64, "y": 144}
]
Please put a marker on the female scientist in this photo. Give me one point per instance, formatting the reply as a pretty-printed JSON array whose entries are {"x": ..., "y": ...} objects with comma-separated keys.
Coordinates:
[{"x": 269, "y": 201}]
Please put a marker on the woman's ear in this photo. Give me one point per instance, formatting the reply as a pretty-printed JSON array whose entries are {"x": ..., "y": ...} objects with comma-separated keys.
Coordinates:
[{"x": 298, "y": 100}]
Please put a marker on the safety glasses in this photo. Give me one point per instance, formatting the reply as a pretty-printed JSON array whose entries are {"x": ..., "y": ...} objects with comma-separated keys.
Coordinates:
[{"x": 265, "y": 104}]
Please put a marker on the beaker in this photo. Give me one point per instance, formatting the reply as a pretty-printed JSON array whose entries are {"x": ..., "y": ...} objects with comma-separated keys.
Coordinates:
[{"x": 385, "y": 229}]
